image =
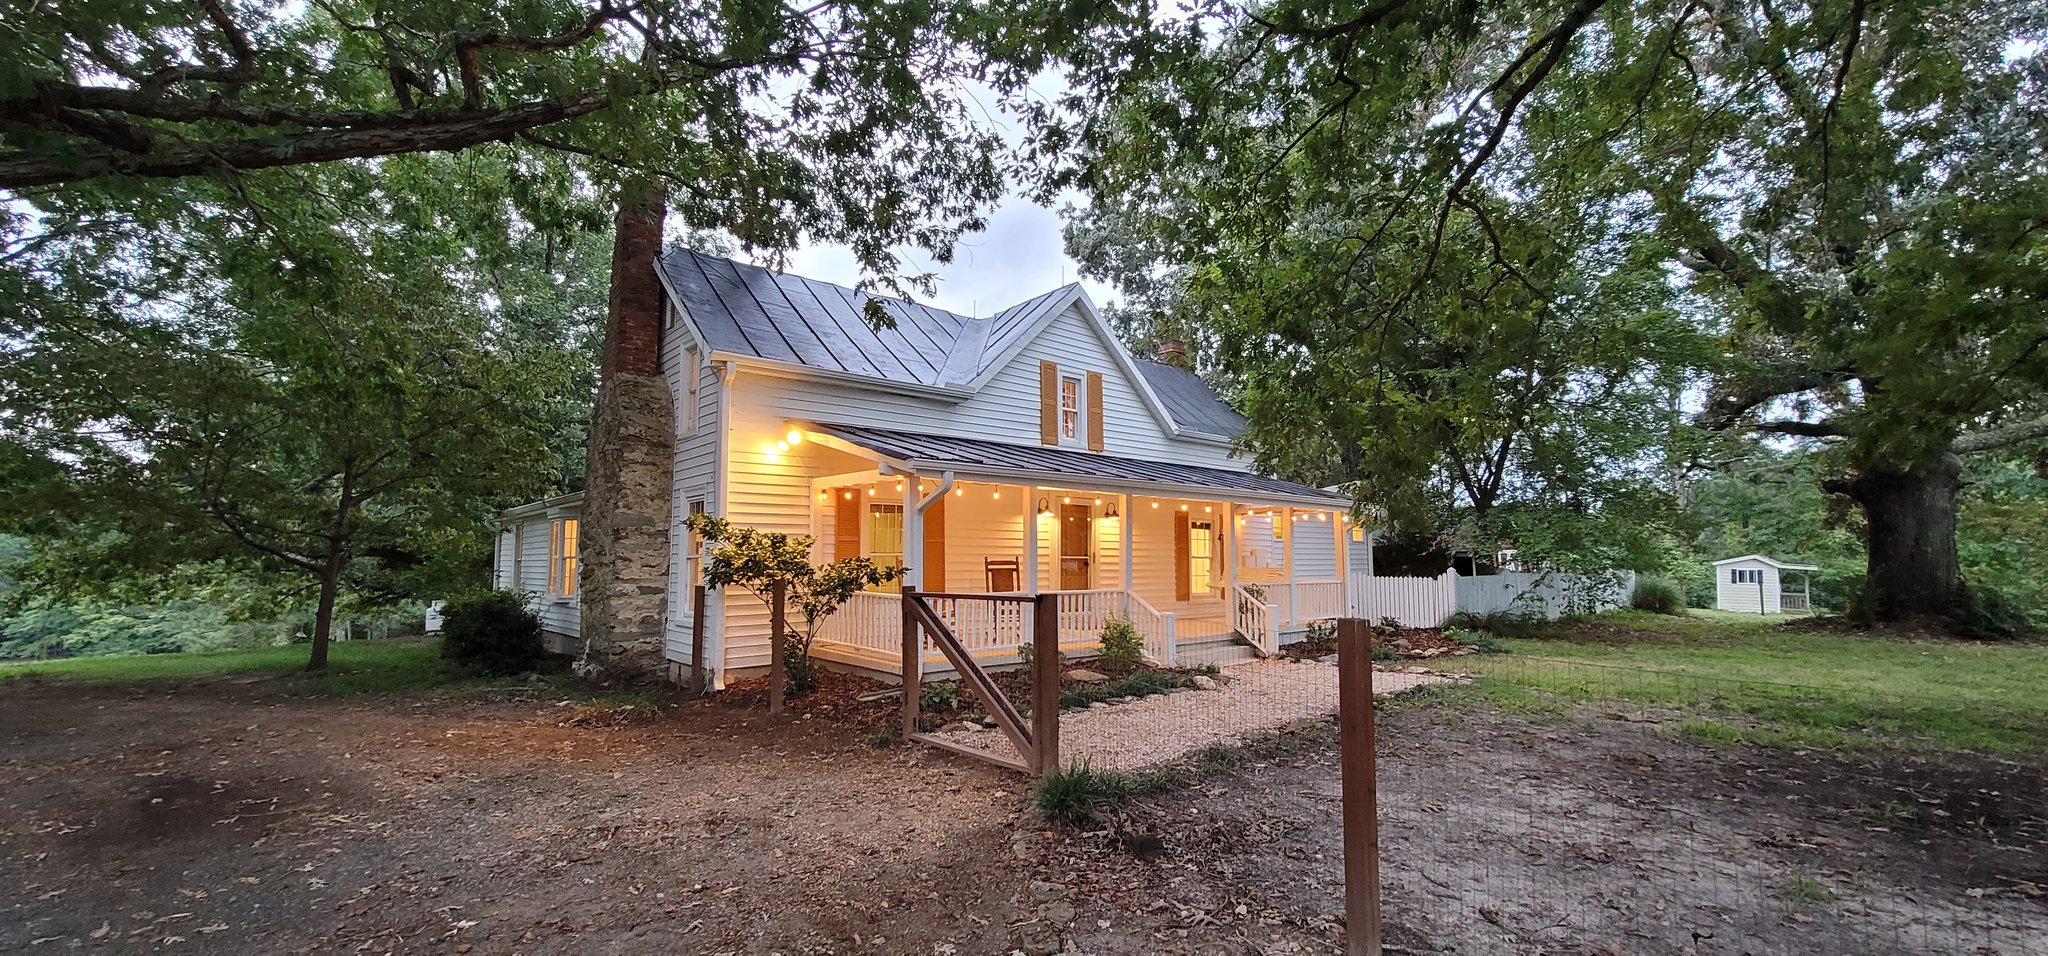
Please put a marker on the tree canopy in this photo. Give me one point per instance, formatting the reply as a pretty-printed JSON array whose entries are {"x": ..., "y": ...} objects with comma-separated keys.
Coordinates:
[{"x": 1841, "y": 201}]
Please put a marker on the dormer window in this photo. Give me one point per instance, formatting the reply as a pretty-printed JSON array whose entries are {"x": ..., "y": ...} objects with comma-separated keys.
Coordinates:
[{"x": 1070, "y": 410}]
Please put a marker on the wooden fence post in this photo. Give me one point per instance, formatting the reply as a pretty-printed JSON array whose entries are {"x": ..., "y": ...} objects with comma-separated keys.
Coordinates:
[
  {"x": 1045, "y": 685},
  {"x": 913, "y": 664},
  {"x": 778, "y": 675},
  {"x": 698, "y": 675},
  {"x": 1358, "y": 759}
]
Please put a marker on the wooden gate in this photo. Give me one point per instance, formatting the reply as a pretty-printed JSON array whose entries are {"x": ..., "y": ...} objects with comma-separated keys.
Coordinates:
[{"x": 1037, "y": 741}]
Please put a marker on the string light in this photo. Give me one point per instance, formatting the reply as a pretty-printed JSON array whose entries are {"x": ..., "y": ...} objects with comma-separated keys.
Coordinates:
[
  {"x": 959, "y": 490},
  {"x": 1155, "y": 506}
]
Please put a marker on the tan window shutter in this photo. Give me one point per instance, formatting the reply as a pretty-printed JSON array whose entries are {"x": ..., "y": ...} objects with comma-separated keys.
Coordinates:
[
  {"x": 846, "y": 524},
  {"x": 1182, "y": 587},
  {"x": 935, "y": 546},
  {"x": 1094, "y": 411},
  {"x": 1048, "y": 403}
]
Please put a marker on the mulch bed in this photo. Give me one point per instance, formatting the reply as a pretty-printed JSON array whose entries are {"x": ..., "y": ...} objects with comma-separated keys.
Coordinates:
[{"x": 1409, "y": 642}]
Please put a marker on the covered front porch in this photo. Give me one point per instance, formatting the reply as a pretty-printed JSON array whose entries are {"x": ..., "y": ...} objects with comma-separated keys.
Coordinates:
[{"x": 1206, "y": 565}]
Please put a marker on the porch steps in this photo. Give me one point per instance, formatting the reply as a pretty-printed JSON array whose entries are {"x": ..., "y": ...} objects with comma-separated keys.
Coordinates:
[{"x": 1218, "y": 649}]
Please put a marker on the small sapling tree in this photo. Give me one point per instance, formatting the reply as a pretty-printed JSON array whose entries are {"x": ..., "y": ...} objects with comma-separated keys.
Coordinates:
[{"x": 755, "y": 560}]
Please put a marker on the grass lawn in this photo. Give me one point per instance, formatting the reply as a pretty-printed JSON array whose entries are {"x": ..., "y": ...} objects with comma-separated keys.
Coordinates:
[
  {"x": 354, "y": 667},
  {"x": 1769, "y": 680}
]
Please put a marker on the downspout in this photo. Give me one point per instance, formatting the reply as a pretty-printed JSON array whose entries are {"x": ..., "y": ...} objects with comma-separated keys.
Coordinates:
[{"x": 924, "y": 504}]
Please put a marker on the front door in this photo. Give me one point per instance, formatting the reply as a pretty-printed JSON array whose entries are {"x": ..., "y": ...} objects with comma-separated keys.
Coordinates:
[
  {"x": 1201, "y": 553},
  {"x": 1076, "y": 526}
]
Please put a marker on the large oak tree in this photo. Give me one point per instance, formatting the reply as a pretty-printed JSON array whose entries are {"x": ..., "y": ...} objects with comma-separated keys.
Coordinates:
[{"x": 1848, "y": 194}]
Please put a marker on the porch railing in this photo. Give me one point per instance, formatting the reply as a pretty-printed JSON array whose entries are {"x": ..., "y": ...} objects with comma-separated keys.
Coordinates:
[
  {"x": 1299, "y": 602},
  {"x": 1255, "y": 618},
  {"x": 995, "y": 631},
  {"x": 1792, "y": 602},
  {"x": 1157, "y": 629}
]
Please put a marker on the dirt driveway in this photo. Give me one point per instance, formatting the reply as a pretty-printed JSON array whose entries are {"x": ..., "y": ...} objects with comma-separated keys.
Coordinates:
[{"x": 215, "y": 819}]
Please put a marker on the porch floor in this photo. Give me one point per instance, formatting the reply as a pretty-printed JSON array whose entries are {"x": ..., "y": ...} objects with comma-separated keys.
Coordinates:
[{"x": 1256, "y": 697}]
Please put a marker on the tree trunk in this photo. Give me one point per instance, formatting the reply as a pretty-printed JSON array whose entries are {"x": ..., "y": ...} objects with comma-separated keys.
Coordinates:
[
  {"x": 627, "y": 491},
  {"x": 323, "y": 619},
  {"x": 1910, "y": 515}
]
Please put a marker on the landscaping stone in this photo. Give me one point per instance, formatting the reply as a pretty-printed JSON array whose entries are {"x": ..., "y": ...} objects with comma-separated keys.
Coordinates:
[
  {"x": 1205, "y": 682},
  {"x": 1045, "y": 891},
  {"x": 1086, "y": 676}
]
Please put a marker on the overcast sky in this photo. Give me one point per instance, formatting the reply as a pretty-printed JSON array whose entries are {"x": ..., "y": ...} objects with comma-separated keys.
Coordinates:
[{"x": 1018, "y": 257}]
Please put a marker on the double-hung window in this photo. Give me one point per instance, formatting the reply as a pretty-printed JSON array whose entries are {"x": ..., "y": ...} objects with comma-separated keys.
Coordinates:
[
  {"x": 562, "y": 557},
  {"x": 885, "y": 537},
  {"x": 1070, "y": 410}
]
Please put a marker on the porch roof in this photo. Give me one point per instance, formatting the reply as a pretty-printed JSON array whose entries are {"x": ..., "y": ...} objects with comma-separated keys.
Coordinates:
[{"x": 1058, "y": 467}]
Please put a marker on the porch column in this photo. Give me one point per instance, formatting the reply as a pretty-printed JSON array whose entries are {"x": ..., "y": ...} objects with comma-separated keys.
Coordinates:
[
  {"x": 1343, "y": 562},
  {"x": 1287, "y": 561},
  {"x": 913, "y": 533},
  {"x": 1030, "y": 582},
  {"x": 1230, "y": 551},
  {"x": 1123, "y": 527}
]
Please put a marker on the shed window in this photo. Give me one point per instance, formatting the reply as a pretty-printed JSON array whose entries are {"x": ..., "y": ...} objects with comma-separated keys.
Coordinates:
[
  {"x": 1745, "y": 576},
  {"x": 1070, "y": 409},
  {"x": 562, "y": 557}
]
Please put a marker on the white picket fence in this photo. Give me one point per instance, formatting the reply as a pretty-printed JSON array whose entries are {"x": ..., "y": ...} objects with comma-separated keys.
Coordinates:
[{"x": 1428, "y": 602}]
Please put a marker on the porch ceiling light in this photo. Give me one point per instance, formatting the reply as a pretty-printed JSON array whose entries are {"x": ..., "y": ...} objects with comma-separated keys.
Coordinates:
[
  {"x": 794, "y": 437},
  {"x": 1155, "y": 505}
]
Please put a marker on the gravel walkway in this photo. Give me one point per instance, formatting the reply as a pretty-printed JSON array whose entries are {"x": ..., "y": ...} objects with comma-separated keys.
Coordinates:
[{"x": 1256, "y": 696}]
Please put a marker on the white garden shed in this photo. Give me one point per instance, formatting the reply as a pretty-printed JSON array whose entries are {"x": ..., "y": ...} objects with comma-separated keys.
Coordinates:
[{"x": 1756, "y": 584}]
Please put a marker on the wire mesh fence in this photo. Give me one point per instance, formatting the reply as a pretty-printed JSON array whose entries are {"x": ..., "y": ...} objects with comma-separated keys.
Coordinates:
[{"x": 1533, "y": 804}]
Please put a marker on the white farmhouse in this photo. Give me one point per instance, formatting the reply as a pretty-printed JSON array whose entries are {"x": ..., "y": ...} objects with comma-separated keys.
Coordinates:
[
  {"x": 1755, "y": 584},
  {"x": 1015, "y": 452}
]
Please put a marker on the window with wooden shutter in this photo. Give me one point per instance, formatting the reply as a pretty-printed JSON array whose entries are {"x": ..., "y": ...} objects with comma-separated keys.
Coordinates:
[
  {"x": 1094, "y": 411},
  {"x": 846, "y": 517},
  {"x": 1048, "y": 403},
  {"x": 935, "y": 546}
]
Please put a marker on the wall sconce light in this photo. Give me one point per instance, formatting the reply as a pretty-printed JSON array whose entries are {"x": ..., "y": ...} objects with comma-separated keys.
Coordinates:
[
  {"x": 1044, "y": 506},
  {"x": 1110, "y": 513}
]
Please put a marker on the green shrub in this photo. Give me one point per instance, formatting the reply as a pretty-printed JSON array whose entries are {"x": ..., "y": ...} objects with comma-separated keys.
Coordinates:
[
  {"x": 1483, "y": 643},
  {"x": 493, "y": 634},
  {"x": 1508, "y": 622},
  {"x": 1658, "y": 596},
  {"x": 941, "y": 695},
  {"x": 1135, "y": 684},
  {"x": 1121, "y": 645},
  {"x": 799, "y": 672},
  {"x": 1989, "y": 615},
  {"x": 1080, "y": 794}
]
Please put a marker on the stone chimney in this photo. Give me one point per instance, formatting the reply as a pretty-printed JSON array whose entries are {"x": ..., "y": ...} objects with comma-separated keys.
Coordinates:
[
  {"x": 624, "y": 536},
  {"x": 1172, "y": 352}
]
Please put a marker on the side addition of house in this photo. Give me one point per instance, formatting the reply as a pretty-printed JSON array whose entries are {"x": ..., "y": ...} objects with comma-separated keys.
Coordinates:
[{"x": 1016, "y": 452}]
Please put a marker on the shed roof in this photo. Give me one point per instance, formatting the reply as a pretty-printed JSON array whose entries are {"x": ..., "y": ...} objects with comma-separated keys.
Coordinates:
[
  {"x": 989, "y": 459},
  {"x": 747, "y": 310},
  {"x": 1773, "y": 562}
]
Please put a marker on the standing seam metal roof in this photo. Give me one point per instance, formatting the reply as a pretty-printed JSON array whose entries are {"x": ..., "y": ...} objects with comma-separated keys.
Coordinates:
[
  {"x": 745, "y": 309},
  {"x": 968, "y": 454}
]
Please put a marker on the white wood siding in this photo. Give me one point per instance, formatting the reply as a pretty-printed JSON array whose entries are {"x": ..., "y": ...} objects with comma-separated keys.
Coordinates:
[
  {"x": 559, "y": 615},
  {"x": 1315, "y": 548},
  {"x": 1005, "y": 410},
  {"x": 1750, "y": 597},
  {"x": 695, "y": 477}
]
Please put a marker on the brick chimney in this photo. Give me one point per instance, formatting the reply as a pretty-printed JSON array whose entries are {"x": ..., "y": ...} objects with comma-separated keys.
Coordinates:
[
  {"x": 1172, "y": 352},
  {"x": 623, "y": 538}
]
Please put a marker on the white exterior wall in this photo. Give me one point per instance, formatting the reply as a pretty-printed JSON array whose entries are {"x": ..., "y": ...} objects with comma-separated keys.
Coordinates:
[
  {"x": 1004, "y": 410},
  {"x": 695, "y": 478},
  {"x": 560, "y": 615},
  {"x": 1315, "y": 548},
  {"x": 1746, "y": 597}
]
